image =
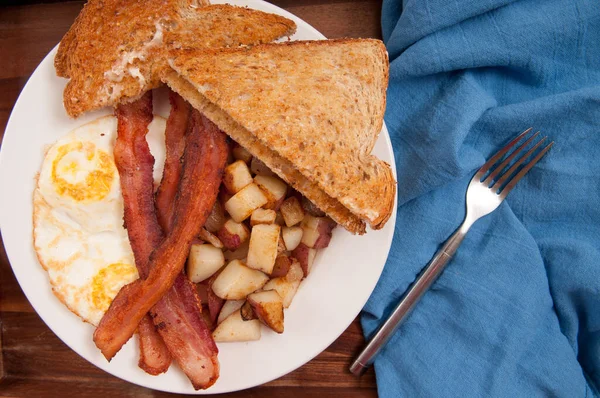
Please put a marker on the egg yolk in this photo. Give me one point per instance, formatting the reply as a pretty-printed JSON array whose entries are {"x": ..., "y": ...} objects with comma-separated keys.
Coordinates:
[
  {"x": 107, "y": 283},
  {"x": 85, "y": 159}
]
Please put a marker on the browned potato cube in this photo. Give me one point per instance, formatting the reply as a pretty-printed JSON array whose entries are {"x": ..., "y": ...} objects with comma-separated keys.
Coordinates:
[
  {"x": 204, "y": 260},
  {"x": 274, "y": 189},
  {"x": 281, "y": 249},
  {"x": 279, "y": 219},
  {"x": 243, "y": 203},
  {"x": 285, "y": 288},
  {"x": 233, "y": 234},
  {"x": 282, "y": 266},
  {"x": 264, "y": 240},
  {"x": 236, "y": 176},
  {"x": 234, "y": 328},
  {"x": 306, "y": 256},
  {"x": 268, "y": 307},
  {"x": 262, "y": 216},
  {"x": 317, "y": 231},
  {"x": 295, "y": 272},
  {"x": 292, "y": 211},
  {"x": 229, "y": 307},
  {"x": 210, "y": 238},
  {"x": 236, "y": 281},
  {"x": 291, "y": 237}
]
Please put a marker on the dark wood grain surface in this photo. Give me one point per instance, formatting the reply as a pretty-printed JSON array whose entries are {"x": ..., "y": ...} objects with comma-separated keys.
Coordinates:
[{"x": 33, "y": 361}]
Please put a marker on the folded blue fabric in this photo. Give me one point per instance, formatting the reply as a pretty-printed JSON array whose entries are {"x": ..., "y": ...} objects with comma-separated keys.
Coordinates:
[{"x": 517, "y": 311}]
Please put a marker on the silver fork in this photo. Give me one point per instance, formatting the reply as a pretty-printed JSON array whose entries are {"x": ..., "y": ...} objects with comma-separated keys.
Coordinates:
[{"x": 483, "y": 197}]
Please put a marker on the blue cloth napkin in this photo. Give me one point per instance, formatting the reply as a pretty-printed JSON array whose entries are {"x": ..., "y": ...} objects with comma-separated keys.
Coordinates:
[{"x": 517, "y": 311}]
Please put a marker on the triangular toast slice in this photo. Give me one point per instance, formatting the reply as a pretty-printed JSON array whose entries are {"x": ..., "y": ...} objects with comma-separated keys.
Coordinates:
[
  {"x": 115, "y": 50},
  {"x": 311, "y": 111}
]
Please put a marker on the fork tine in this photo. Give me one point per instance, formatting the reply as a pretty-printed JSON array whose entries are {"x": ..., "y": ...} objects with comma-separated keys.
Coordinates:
[
  {"x": 484, "y": 169},
  {"x": 511, "y": 184},
  {"x": 507, "y": 161},
  {"x": 514, "y": 167}
]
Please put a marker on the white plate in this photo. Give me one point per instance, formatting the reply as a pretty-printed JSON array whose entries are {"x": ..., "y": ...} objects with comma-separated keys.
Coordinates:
[{"x": 343, "y": 277}]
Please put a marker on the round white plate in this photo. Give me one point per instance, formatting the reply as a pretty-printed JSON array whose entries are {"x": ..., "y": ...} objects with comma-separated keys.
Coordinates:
[{"x": 327, "y": 302}]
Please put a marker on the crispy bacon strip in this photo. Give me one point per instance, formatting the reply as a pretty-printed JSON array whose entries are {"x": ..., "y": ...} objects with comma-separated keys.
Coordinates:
[
  {"x": 131, "y": 151},
  {"x": 204, "y": 160},
  {"x": 192, "y": 344},
  {"x": 155, "y": 357},
  {"x": 178, "y": 313},
  {"x": 175, "y": 144},
  {"x": 178, "y": 318}
]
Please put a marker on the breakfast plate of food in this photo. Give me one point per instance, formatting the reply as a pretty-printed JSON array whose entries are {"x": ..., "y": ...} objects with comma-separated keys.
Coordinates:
[{"x": 200, "y": 198}]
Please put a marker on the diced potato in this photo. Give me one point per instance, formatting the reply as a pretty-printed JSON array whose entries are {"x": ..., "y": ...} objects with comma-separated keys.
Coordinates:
[
  {"x": 286, "y": 289},
  {"x": 291, "y": 237},
  {"x": 240, "y": 153},
  {"x": 268, "y": 307},
  {"x": 281, "y": 249},
  {"x": 234, "y": 328},
  {"x": 279, "y": 219},
  {"x": 295, "y": 272},
  {"x": 282, "y": 266},
  {"x": 216, "y": 218},
  {"x": 236, "y": 281},
  {"x": 247, "y": 312},
  {"x": 317, "y": 231},
  {"x": 204, "y": 260},
  {"x": 292, "y": 212},
  {"x": 229, "y": 307},
  {"x": 236, "y": 176},
  {"x": 264, "y": 239},
  {"x": 238, "y": 254},
  {"x": 259, "y": 168},
  {"x": 274, "y": 189},
  {"x": 233, "y": 234},
  {"x": 210, "y": 238},
  {"x": 262, "y": 216},
  {"x": 306, "y": 256},
  {"x": 243, "y": 203}
]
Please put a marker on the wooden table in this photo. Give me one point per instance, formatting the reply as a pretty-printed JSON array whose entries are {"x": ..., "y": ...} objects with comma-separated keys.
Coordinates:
[{"x": 33, "y": 361}]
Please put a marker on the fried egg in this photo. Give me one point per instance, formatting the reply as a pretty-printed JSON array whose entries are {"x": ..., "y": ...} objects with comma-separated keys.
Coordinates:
[{"x": 78, "y": 232}]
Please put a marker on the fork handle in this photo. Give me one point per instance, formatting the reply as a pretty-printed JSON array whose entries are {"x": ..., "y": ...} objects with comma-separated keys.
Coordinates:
[{"x": 429, "y": 274}]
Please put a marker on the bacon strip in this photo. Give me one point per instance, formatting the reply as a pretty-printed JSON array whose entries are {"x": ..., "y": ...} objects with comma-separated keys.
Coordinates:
[
  {"x": 131, "y": 151},
  {"x": 204, "y": 160},
  {"x": 192, "y": 344},
  {"x": 155, "y": 357},
  {"x": 178, "y": 318},
  {"x": 175, "y": 144}
]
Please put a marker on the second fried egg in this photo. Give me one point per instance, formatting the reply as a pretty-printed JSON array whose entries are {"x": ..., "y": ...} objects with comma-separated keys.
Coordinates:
[{"x": 78, "y": 217}]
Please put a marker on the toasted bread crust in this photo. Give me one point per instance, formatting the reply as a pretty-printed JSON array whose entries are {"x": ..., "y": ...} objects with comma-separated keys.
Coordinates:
[
  {"x": 276, "y": 163},
  {"x": 115, "y": 50},
  {"x": 312, "y": 111}
]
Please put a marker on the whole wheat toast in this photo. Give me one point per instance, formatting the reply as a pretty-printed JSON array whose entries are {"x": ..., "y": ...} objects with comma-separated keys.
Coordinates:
[
  {"x": 311, "y": 111},
  {"x": 115, "y": 50}
]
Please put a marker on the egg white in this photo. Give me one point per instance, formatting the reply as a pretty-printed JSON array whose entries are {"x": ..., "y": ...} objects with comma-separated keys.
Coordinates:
[{"x": 78, "y": 229}]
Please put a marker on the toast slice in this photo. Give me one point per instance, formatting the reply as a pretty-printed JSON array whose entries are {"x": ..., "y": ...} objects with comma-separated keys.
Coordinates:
[
  {"x": 115, "y": 50},
  {"x": 311, "y": 111}
]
